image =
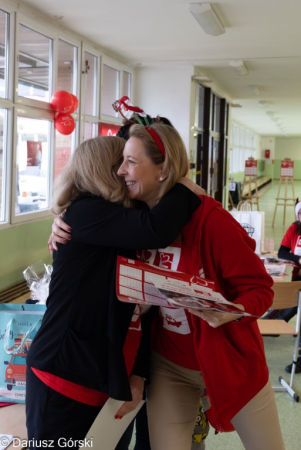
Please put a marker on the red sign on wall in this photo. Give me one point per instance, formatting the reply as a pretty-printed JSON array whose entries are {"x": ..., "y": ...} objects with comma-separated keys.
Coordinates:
[
  {"x": 251, "y": 167},
  {"x": 108, "y": 129},
  {"x": 287, "y": 169}
]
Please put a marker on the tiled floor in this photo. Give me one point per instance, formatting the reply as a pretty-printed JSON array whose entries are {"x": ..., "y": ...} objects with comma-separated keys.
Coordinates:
[{"x": 278, "y": 350}]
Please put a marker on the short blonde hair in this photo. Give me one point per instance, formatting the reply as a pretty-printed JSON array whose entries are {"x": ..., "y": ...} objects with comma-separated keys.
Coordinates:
[
  {"x": 92, "y": 168},
  {"x": 176, "y": 160}
]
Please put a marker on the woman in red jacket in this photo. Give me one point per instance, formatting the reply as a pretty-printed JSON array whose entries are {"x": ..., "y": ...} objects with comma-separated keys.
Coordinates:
[
  {"x": 290, "y": 249},
  {"x": 226, "y": 353}
]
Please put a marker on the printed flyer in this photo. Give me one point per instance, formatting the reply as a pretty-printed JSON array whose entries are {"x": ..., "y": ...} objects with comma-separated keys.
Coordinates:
[{"x": 138, "y": 282}]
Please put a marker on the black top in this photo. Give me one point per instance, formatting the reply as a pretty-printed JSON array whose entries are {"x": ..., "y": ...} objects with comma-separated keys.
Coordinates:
[
  {"x": 285, "y": 253},
  {"x": 85, "y": 325}
]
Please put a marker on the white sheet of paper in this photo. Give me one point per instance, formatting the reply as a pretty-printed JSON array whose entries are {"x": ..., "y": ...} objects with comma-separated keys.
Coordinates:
[
  {"x": 5, "y": 440},
  {"x": 106, "y": 431}
]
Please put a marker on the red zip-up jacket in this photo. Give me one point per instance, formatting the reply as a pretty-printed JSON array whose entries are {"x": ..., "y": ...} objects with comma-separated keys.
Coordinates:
[{"x": 231, "y": 357}]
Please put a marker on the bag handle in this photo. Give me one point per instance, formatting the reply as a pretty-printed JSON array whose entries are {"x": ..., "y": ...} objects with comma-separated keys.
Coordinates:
[{"x": 244, "y": 205}]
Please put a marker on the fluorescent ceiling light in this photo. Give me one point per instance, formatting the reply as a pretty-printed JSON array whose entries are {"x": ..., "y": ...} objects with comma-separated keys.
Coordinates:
[
  {"x": 235, "y": 105},
  {"x": 207, "y": 18},
  {"x": 254, "y": 90},
  {"x": 202, "y": 78},
  {"x": 239, "y": 68}
]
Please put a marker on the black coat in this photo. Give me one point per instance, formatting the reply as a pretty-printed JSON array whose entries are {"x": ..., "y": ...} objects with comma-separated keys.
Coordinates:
[{"x": 84, "y": 327}]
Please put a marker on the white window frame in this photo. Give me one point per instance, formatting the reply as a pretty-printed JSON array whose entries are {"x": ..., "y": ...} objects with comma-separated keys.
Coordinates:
[
  {"x": 119, "y": 67},
  {"x": 87, "y": 117},
  {"x": 31, "y": 114},
  {"x": 7, "y": 159}
]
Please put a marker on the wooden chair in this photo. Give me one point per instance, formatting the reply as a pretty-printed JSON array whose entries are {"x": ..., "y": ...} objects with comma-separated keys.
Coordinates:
[{"x": 287, "y": 294}]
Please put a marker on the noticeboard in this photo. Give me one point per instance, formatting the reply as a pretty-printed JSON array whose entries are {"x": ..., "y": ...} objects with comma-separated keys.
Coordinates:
[
  {"x": 251, "y": 168},
  {"x": 287, "y": 169}
]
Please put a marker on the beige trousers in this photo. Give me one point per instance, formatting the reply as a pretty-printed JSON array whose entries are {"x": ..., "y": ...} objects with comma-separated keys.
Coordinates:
[
  {"x": 257, "y": 423},
  {"x": 173, "y": 397}
]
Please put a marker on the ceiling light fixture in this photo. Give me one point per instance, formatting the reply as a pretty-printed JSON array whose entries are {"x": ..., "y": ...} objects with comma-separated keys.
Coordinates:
[
  {"x": 270, "y": 113},
  {"x": 202, "y": 78},
  {"x": 263, "y": 102},
  {"x": 207, "y": 18},
  {"x": 235, "y": 105},
  {"x": 239, "y": 67}
]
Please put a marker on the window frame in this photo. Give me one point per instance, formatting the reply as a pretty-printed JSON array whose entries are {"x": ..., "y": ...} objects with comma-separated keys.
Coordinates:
[
  {"x": 31, "y": 113},
  {"x": 120, "y": 68},
  {"x": 95, "y": 119},
  {"x": 46, "y": 31}
]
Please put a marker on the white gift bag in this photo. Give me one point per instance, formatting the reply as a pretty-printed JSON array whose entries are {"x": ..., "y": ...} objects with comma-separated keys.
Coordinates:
[{"x": 253, "y": 223}]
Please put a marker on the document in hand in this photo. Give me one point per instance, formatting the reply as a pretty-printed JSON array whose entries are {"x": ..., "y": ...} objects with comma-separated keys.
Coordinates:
[{"x": 138, "y": 282}]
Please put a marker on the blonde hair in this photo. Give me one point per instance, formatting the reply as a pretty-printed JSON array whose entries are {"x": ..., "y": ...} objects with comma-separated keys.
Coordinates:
[
  {"x": 175, "y": 163},
  {"x": 92, "y": 168}
]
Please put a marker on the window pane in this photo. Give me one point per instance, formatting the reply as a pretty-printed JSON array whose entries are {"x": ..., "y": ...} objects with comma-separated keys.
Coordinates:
[
  {"x": 110, "y": 90},
  {"x": 33, "y": 168},
  {"x": 34, "y": 61},
  {"x": 89, "y": 130},
  {"x": 90, "y": 80},
  {"x": 127, "y": 84},
  {"x": 2, "y": 162},
  {"x": 63, "y": 147},
  {"x": 3, "y": 53},
  {"x": 67, "y": 67}
]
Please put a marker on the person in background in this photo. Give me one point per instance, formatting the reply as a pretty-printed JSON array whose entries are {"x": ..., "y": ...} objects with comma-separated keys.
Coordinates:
[
  {"x": 290, "y": 249},
  {"x": 225, "y": 350},
  {"x": 84, "y": 351}
]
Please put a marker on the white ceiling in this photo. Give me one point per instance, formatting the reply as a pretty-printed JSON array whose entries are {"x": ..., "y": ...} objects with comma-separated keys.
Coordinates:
[{"x": 265, "y": 34}]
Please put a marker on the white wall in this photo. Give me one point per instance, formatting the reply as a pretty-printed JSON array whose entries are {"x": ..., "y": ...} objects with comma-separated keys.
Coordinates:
[
  {"x": 288, "y": 148},
  {"x": 267, "y": 143},
  {"x": 166, "y": 92}
]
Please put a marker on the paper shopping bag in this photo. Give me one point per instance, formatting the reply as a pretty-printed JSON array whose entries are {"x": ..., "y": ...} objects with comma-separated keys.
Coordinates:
[
  {"x": 18, "y": 327},
  {"x": 253, "y": 223}
]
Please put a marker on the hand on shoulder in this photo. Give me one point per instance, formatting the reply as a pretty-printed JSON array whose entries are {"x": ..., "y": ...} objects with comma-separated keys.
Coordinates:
[{"x": 195, "y": 188}]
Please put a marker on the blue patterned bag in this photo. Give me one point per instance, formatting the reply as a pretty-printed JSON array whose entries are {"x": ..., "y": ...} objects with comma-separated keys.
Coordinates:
[{"x": 19, "y": 324}]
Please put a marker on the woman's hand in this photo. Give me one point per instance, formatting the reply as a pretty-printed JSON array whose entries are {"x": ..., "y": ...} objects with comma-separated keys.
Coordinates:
[
  {"x": 60, "y": 233},
  {"x": 137, "y": 388},
  {"x": 216, "y": 319},
  {"x": 198, "y": 190}
]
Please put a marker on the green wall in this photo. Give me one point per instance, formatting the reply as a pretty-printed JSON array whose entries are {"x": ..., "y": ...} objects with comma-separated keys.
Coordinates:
[
  {"x": 271, "y": 170},
  {"x": 21, "y": 246}
]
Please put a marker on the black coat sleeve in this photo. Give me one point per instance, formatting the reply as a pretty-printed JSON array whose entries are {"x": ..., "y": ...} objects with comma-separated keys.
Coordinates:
[
  {"x": 96, "y": 221},
  {"x": 285, "y": 253}
]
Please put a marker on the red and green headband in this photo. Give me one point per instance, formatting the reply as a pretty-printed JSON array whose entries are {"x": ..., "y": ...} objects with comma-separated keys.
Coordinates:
[{"x": 157, "y": 139}]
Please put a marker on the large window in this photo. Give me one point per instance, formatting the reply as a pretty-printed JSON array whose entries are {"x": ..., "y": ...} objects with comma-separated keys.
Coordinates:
[
  {"x": 34, "y": 64},
  {"x": 110, "y": 90},
  {"x": 33, "y": 165},
  {"x": 38, "y": 58},
  {"x": 242, "y": 147},
  {"x": 67, "y": 67},
  {"x": 3, "y": 133},
  {"x": 3, "y": 53}
]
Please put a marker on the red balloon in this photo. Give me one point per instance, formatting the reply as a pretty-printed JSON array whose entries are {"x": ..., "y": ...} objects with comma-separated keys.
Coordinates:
[
  {"x": 64, "y": 123},
  {"x": 61, "y": 102},
  {"x": 75, "y": 103}
]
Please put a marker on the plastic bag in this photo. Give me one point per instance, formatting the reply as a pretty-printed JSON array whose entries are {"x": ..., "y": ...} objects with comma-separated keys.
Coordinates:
[{"x": 38, "y": 277}]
